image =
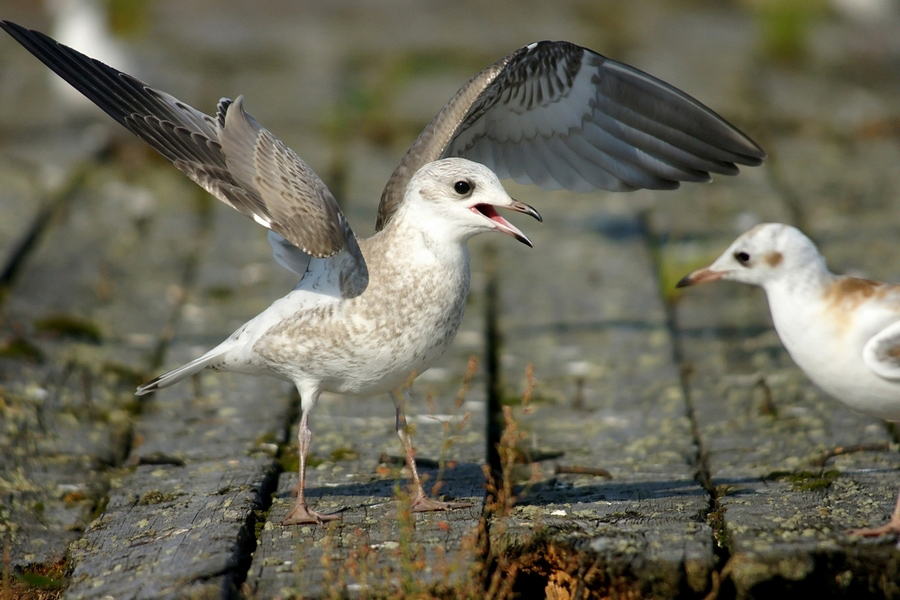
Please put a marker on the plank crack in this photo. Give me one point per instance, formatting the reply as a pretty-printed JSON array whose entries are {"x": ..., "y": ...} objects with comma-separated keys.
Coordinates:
[{"x": 714, "y": 513}]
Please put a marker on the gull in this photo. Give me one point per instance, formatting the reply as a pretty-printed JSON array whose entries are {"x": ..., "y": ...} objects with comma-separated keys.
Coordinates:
[
  {"x": 843, "y": 332},
  {"x": 368, "y": 313}
]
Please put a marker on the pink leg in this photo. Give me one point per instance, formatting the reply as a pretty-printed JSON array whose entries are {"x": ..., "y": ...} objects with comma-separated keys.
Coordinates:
[
  {"x": 420, "y": 501},
  {"x": 301, "y": 513},
  {"x": 892, "y": 526}
]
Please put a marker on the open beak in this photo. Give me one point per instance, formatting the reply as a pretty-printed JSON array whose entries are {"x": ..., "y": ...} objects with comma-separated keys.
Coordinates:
[
  {"x": 704, "y": 275},
  {"x": 489, "y": 211}
]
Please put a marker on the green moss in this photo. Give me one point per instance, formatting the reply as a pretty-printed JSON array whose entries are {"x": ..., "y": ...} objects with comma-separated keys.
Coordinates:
[
  {"x": 260, "y": 517},
  {"x": 716, "y": 521},
  {"x": 156, "y": 497},
  {"x": 290, "y": 462},
  {"x": 125, "y": 373},
  {"x": 22, "y": 349},
  {"x": 133, "y": 405},
  {"x": 219, "y": 292},
  {"x": 343, "y": 453},
  {"x": 784, "y": 26},
  {"x": 672, "y": 270},
  {"x": 805, "y": 481},
  {"x": 267, "y": 438},
  {"x": 39, "y": 581},
  {"x": 70, "y": 326},
  {"x": 724, "y": 490},
  {"x": 511, "y": 399},
  {"x": 100, "y": 508}
]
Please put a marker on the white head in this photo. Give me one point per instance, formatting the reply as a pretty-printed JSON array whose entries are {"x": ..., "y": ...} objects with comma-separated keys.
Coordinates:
[
  {"x": 763, "y": 255},
  {"x": 457, "y": 198}
]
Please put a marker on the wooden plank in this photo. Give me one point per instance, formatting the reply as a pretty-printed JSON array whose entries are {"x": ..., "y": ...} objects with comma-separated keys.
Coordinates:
[
  {"x": 172, "y": 531},
  {"x": 375, "y": 547},
  {"x": 68, "y": 400},
  {"x": 781, "y": 518},
  {"x": 585, "y": 310},
  {"x": 182, "y": 522}
]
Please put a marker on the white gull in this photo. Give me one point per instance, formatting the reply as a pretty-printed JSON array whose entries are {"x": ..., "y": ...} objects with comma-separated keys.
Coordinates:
[
  {"x": 368, "y": 313},
  {"x": 844, "y": 332}
]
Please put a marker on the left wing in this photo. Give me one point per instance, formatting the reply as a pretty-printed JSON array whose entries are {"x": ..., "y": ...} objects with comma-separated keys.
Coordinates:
[{"x": 230, "y": 155}]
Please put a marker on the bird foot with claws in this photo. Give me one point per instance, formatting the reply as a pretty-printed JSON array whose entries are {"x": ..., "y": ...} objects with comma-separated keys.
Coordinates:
[
  {"x": 302, "y": 514},
  {"x": 422, "y": 503},
  {"x": 892, "y": 526}
]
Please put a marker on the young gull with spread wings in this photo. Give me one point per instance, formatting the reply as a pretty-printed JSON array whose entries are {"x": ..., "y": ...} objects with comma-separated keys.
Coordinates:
[{"x": 368, "y": 313}]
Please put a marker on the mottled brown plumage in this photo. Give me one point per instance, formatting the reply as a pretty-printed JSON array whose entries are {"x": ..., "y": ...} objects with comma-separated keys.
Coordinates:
[{"x": 369, "y": 313}]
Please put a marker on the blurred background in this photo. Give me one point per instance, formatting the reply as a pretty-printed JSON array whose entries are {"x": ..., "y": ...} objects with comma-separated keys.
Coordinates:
[
  {"x": 348, "y": 84},
  {"x": 108, "y": 253},
  {"x": 334, "y": 79}
]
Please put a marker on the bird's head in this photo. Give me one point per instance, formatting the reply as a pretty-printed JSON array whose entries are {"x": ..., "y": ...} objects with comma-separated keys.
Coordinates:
[
  {"x": 760, "y": 256},
  {"x": 461, "y": 198}
]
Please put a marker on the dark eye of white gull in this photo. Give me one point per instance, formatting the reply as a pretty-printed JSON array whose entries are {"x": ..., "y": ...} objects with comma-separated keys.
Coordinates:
[
  {"x": 742, "y": 257},
  {"x": 462, "y": 187}
]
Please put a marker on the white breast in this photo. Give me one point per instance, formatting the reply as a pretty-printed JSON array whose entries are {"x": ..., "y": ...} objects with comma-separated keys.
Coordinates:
[
  {"x": 400, "y": 325},
  {"x": 827, "y": 344}
]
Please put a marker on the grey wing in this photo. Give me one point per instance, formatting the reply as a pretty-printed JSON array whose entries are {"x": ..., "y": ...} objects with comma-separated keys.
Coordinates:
[
  {"x": 558, "y": 115},
  {"x": 230, "y": 155},
  {"x": 882, "y": 353}
]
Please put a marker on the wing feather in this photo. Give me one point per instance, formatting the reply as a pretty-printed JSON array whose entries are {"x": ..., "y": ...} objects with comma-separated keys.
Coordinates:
[
  {"x": 230, "y": 155},
  {"x": 552, "y": 112}
]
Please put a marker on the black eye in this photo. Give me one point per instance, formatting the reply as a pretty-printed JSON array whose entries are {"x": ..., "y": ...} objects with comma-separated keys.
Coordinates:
[
  {"x": 742, "y": 257},
  {"x": 462, "y": 187}
]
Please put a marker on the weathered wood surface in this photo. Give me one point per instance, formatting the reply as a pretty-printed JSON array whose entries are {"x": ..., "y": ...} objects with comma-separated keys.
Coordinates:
[
  {"x": 609, "y": 397},
  {"x": 709, "y": 432}
]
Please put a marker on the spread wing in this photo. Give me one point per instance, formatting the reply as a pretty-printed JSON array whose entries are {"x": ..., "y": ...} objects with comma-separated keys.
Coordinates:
[
  {"x": 561, "y": 116},
  {"x": 230, "y": 155},
  {"x": 882, "y": 352}
]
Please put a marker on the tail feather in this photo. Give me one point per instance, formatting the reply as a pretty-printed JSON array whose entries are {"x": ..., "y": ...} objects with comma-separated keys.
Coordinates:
[{"x": 182, "y": 372}]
